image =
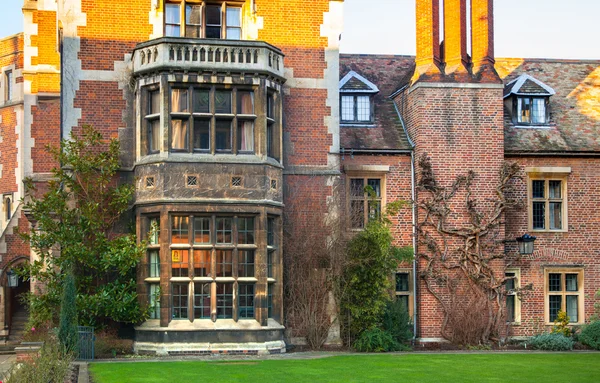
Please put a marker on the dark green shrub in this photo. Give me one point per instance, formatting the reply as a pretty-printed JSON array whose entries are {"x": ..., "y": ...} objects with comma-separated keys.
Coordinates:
[
  {"x": 551, "y": 342},
  {"x": 52, "y": 365},
  {"x": 590, "y": 335},
  {"x": 377, "y": 340},
  {"x": 67, "y": 330},
  {"x": 397, "y": 321}
]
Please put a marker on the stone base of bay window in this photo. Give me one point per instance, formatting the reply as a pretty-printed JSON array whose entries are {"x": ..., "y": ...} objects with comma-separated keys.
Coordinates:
[{"x": 204, "y": 337}]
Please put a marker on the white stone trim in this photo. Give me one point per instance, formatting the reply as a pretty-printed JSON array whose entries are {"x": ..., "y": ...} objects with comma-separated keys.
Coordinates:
[
  {"x": 353, "y": 74},
  {"x": 521, "y": 80},
  {"x": 548, "y": 169},
  {"x": 367, "y": 168},
  {"x": 449, "y": 85}
]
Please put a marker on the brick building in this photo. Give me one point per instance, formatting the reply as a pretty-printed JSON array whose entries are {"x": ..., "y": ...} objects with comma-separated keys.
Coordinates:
[{"x": 230, "y": 111}]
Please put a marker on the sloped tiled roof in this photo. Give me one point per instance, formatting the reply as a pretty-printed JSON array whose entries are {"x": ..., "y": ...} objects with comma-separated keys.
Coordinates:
[
  {"x": 574, "y": 124},
  {"x": 387, "y": 73}
]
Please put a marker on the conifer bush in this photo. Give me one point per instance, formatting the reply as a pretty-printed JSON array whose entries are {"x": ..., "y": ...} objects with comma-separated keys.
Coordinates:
[
  {"x": 590, "y": 335},
  {"x": 552, "y": 342}
]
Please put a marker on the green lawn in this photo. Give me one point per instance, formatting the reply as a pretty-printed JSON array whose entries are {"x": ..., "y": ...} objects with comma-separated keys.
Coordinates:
[{"x": 493, "y": 367}]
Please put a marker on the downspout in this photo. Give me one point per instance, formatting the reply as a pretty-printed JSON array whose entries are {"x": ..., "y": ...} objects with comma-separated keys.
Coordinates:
[{"x": 414, "y": 216}]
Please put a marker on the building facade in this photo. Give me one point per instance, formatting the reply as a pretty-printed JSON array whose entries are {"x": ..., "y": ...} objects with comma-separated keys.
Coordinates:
[{"x": 238, "y": 118}]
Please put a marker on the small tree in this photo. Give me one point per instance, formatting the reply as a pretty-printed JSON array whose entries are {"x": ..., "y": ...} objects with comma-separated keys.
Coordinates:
[
  {"x": 372, "y": 260},
  {"x": 67, "y": 330},
  {"x": 78, "y": 219}
]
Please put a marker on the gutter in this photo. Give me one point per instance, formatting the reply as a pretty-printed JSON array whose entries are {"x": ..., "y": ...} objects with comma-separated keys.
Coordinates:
[
  {"x": 552, "y": 154},
  {"x": 374, "y": 151}
]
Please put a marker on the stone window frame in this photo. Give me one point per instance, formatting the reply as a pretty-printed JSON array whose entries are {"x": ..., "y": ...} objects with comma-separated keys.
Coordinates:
[
  {"x": 150, "y": 117},
  {"x": 272, "y": 254},
  {"x": 365, "y": 172},
  {"x": 183, "y": 25},
  {"x": 580, "y": 293},
  {"x": 547, "y": 174},
  {"x": 212, "y": 116},
  {"x": 9, "y": 82},
  {"x": 406, "y": 293},
  {"x": 514, "y": 293},
  {"x": 216, "y": 281},
  {"x": 7, "y": 206}
]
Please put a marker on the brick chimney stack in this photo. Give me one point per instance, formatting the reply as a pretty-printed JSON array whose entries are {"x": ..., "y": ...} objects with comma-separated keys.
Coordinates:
[
  {"x": 428, "y": 37},
  {"x": 482, "y": 29},
  {"x": 454, "y": 64},
  {"x": 455, "y": 36}
]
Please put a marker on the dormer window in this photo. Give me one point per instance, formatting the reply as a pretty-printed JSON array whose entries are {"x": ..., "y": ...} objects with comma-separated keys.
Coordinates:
[
  {"x": 356, "y": 100},
  {"x": 530, "y": 101},
  {"x": 199, "y": 19}
]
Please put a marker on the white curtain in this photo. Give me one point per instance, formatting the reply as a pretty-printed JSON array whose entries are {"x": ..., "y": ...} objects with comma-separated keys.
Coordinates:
[{"x": 246, "y": 136}]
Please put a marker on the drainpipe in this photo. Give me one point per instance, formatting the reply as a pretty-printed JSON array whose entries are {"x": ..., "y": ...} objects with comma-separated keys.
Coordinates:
[{"x": 414, "y": 239}]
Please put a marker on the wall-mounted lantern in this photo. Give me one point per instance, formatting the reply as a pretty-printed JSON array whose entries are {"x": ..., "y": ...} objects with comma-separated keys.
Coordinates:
[
  {"x": 12, "y": 278},
  {"x": 526, "y": 244}
]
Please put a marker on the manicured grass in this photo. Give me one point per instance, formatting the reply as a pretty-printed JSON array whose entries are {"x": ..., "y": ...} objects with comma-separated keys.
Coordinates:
[{"x": 493, "y": 367}]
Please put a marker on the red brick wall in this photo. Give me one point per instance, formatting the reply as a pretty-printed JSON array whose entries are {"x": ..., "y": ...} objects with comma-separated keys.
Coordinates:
[
  {"x": 102, "y": 106},
  {"x": 578, "y": 246},
  {"x": 460, "y": 129},
  {"x": 112, "y": 30},
  {"x": 8, "y": 149},
  {"x": 45, "y": 130},
  {"x": 14, "y": 244}
]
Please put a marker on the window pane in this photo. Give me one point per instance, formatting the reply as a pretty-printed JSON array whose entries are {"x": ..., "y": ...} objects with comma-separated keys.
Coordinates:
[
  {"x": 172, "y": 20},
  {"x": 224, "y": 263},
  {"x": 357, "y": 187},
  {"x": 201, "y": 101},
  {"x": 571, "y": 282},
  {"x": 154, "y": 102},
  {"x": 246, "y": 230},
  {"x": 234, "y": 33},
  {"x": 224, "y": 300},
  {"x": 202, "y": 263},
  {"x": 270, "y": 300},
  {"x": 154, "y": 135},
  {"x": 539, "y": 213},
  {"x": 555, "y": 215},
  {"x": 538, "y": 188},
  {"x": 234, "y": 17},
  {"x": 510, "y": 283},
  {"x": 270, "y": 256},
  {"x": 374, "y": 209},
  {"x": 180, "y": 300},
  {"x": 554, "y": 282},
  {"x": 357, "y": 214},
  {"x": 554, "y": 189},
  {"x": 245, "y": 136},
  {"x": 201, "y": 300},
  {"x": 538, "y": 114},
  {"x": 572, "y": 308},
  {"x": 154, "y": 301},
  {"x": 555, "y": 303},
  {"x": 179, "y": 230},
  {"x": 246, "y": 305},
  {"x": 270, "y": 231},
  {"x": 510, "y": 308},
  {"x": 201, "y": 134},
  {"x": 524, "y": 110},
  {"x": 363, "y": 108},
  {"x": 213, "y": 15},
  {"x": 245, "y": 263},
  {"x": 271, "y": 106},
  {"x": 223, "y": 135},
  {"x": 403, "y": 299},
  {"x": 224, "y": 230},
  {"x": 202, "y": 230},
  {"x": 402, "y": 282},
  {"x": 179, "y": 101},
  {"x": 154, "y": 261},
  {"x": 271, "y": 140},
  {"x": 179, "y": 132},
  {"x": 193, "y": 21},
  {"x": 153, "y": 231},
  {"x": 180, "y": 262},
  {"x": 347, "y": 108},
  {"x": 245, "y": 102},
  {"x": 223, "y": 102},
  {"x": 375, "y": 185}
]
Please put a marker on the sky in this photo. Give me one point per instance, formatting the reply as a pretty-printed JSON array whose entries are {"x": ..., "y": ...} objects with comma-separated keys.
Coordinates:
[{"x": 523, "y": 28}]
